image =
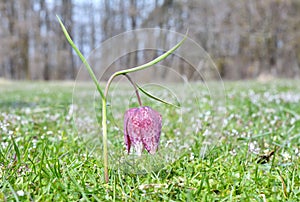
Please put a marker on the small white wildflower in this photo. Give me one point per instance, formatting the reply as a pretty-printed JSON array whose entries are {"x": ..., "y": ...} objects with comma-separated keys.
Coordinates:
[
  {"x": 27, "y": 110},
  {"x": 232, "y": 152},
  {"x": 293, "y": 120},
  {"x": 192, "y": 156},
  {"x": 34, "y": 143},
  {"x": 234, "y": 132},
  {"x": 225, "y": 122},
  {"x": 237, "y": 175},
  {"x": 20, "y": 193},
  {"x": 286, "y": 156},
  {"x": 206, "y": 133},
  {"x": 70, "y": 112},
  {"x": 4, "y": 144},
  {"x": 4, "y": 128},
  {"x": 169, "y": 142},
  {"x": 49, "y": 132},
  {"x": 253, "y": 147}
]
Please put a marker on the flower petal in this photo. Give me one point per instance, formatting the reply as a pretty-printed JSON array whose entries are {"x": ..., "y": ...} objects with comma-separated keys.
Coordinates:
[
  {"x": 151, "y": 137},
  {"x": 142, "y": 128},
  {"x": 127, "y": 116}
]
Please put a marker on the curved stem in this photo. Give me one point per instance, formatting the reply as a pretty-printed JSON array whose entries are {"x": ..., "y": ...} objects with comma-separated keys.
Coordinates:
[
  {"x": 135, "y": 88},
  {"x": 111, "y": 78},
  {"x": 104, "y": 120}
]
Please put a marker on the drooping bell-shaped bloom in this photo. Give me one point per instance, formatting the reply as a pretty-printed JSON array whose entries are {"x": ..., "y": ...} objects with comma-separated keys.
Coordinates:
[{"x": 142, "y": 128}]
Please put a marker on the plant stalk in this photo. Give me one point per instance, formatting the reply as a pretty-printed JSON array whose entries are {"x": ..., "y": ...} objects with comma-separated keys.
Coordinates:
[{"x": 104, "y": 136}]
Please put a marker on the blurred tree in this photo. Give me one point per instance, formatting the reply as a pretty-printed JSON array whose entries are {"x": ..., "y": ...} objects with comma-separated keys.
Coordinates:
[
  {"x": 66, "y": 65},
  {"x": 245, "y": 38},
  {"x": 44, "y": 28}
]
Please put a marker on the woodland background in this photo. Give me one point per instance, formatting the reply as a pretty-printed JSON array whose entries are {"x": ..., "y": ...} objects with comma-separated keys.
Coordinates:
[{"x": 246, "y": 39}]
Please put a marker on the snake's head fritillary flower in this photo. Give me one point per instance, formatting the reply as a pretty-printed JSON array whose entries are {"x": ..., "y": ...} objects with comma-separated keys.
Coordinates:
[{"x": 142, "y": 128}]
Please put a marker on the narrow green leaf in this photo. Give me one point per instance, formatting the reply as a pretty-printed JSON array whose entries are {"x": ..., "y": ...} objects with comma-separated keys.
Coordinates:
[
  {"x": 144, "y": 66},
  {"x": 82, "y": 58},
  {"x": 16, "y": 149},
  {"x": 153, "y": 62},
  {"x": 157, "y": 98},
  {"x": 78, "y": 186}
]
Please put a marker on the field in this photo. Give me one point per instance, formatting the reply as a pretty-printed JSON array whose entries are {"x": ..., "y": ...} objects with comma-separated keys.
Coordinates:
[{"x": 46, "y": 155}]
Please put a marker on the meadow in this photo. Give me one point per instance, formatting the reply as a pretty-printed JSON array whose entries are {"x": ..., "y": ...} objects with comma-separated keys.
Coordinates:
[{"x": 254, "y": 155}]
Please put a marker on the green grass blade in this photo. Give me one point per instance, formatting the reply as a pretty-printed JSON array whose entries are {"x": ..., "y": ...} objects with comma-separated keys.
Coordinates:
[
  {"x": 82, "y": 58},
  {"x": 16, "y": 148},
  {"x": 157, "y": 98},
  {"x": 77, "y": 186},
  {"x": 13, "y": 192}
]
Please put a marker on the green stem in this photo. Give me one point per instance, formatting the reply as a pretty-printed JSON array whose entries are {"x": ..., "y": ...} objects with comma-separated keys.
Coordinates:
[
  {"x": 104, "y": 118},
  {"x": 104, "y": 133},
  {"x": 104, "y": 123}
]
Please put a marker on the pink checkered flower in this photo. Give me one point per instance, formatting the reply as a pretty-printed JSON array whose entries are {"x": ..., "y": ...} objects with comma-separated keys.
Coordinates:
[{"x": 142, "y": 128}]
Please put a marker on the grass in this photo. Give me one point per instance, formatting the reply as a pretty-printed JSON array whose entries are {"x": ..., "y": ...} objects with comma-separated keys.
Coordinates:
[{"x": 44, "y": 157}]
